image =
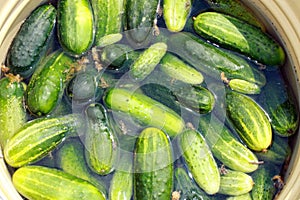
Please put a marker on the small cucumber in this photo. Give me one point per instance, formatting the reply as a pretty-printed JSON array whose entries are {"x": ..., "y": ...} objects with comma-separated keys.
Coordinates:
[
  {"x": 75, "y": 26},
  {"x": 147, "y": 61},
  {"x": 177, "y": 69},
  {"x": 144, "y": 109},
  {"x": 225, "y": 147},
  {"x": 246, "y": 196},
  {"x": 13, "y": 113},
  {"x": 101, "y": 145},
  {"x": 235, "y": 183},
  {"x": 243, "y": 86},
  {"x": 31, "y": 42},
  {"x": 200, "y": 161},
  {"x": 176, "y": 13},
  {"x": 235, "y": 34},
  {"x": 249, "y": 120},
  {"x": 47, "y": 84},
  {"x": 37, "y": 138},
  {"x": 37, "y": 182},
  {"x": 153, "y": 166}
]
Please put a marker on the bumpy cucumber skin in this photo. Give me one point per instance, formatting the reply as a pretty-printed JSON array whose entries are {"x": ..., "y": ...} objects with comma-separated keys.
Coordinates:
[
  {"x": 47, "y": 84},
  {"x": 37, "y": 182},
  {"x": 225, "y": 147},
  {"x": 211, "y": 60},
  {"x": 13, "y": 112},
  {"x": 235, "y": 183},
  {"x": 249, "y": 120},
  {"x": 144, "y": 109},
  {"x": 179, "y": 70},
  {"x": 108, "y": 17},
  {"x": 153, "y": 166},
  {"x": 237, "y": 35},
  {"x": 200, "y": 161},
  {"x": 147, "y": 61},
  {"x": 37, "y": 138},
  {"x": 176, "y": 13},
  {"x": 75, "y": 26},
  {"x": 100, "y": 142},
  {"x": 30, "y": 43}
]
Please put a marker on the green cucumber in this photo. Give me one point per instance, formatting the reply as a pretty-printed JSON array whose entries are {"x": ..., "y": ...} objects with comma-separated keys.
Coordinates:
[
  {"x": 200, "y": 161},
  {"x": 153, "y": 166},
  {"x": 109, "y": 39},
  {"x": 101, "y": 145},
  {"x": 37, "y": 138},
  {"x": 177, "y": 69},
  {"x": 108, "y": 16},
  {"x": 211, "y": 60},
  {"x": 13, "y": 113},
  {"x": 47, "y": 84},
  {"x": 176, "y": 13},
  {"x": 75, "y": 24},
  {"x": 26, "y": 51},
  {"x": 249, "y": 120},
  {"x": 147, "y": 61},
  {"x": 235, "y": 183},
  {"x": 225, "y": 147},
  {"x": 144, "y": 109},
  {"x": 70, "y": 158},
  {"x": 37, "y": 182},
  {"x": 235, "y": 34},
  {"x": 243, "y": 86},
  {"x": 246, "y": 196}
]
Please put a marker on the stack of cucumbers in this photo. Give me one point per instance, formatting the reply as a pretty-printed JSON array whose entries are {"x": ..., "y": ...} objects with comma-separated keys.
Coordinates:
[{"x": 138, "y": 99}]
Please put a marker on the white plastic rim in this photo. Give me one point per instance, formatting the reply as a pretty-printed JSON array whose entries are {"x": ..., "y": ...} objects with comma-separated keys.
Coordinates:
[{"x": 282, "y": 18}]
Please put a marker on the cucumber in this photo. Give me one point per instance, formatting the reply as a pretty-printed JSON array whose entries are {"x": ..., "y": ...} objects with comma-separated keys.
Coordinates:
[
  {"x": 100, "y": 141},
  {"x": 144, "y": 109},
  {"x": 47, "y": 84},
  {"x": 249, "y": 120},
  {"x": 235, "y": 34},
  {"x": 153, "y": 166},
  {"x": 70, "y": 158},
  {"x": 109, "y": 39},
  {"x": 37, "y": 138},
  {"x": 176, "y": 13},
  {"x": 147, "y": 61},
  {"x": 200, "y": 161},
  {"x": 246, "y": 196},
  {"x": 108, "y": 16},
  {"x": 26, "y": 51},
  {"x": 211, "y": 60},
  {"x": 37, "y": 182},
  {"x": 75, "y": 26},
  {"x": 235, "y": 183},
  {"x": 243, "y": 86},
  {"x": 177, "y": 69},
  {"x": 13, "y": 113},
  {"x": 225, "y": 147}
]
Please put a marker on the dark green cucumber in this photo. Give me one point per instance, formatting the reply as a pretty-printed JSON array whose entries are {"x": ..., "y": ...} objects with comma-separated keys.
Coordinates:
[
  {"x": 47, "y": 84},
  {"x": 139, "y": 20},
  {"x": 101, "y": 145},
  {"x": 177, "y": 69},
  {"x": 242, "y": 37},
  {"x": 249, "y": 120},
  {"x": 153, "y": 166},
  {"x": 212, "y": 60},
  {"x": 147, "y": 61},
  {"x": 108, "y": 17},
  {"x": 12, "y": 112},
  {"x": 37, "y": 138},
  {"x": 187, "y": 188},
  {"x": 200, "y": 161},
  {"x": 30, "y": 43},
  {"x": 176, "y": 13},
  {"x": 75, "y": 26},
  {"x": 144, "y": 109},
  {"x": 37, "y": 182},
  {"x": 70, "y": 158},
  {"x": 225, "y": 147},
  {"x": 235, "y": 183}
]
